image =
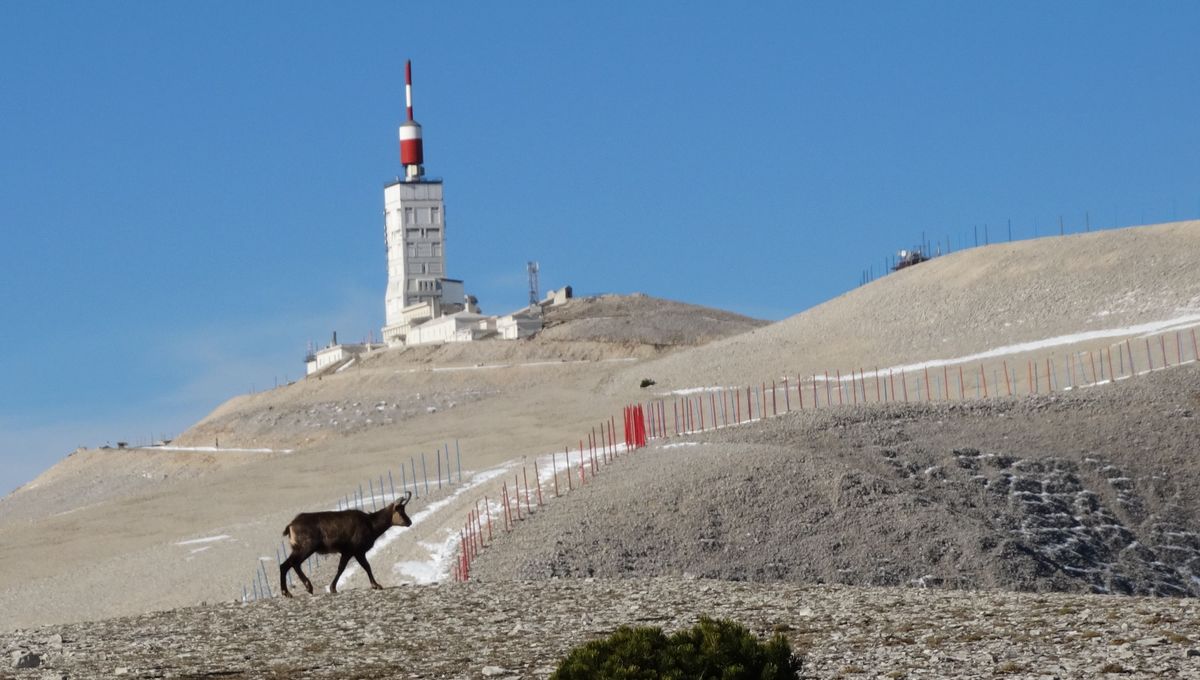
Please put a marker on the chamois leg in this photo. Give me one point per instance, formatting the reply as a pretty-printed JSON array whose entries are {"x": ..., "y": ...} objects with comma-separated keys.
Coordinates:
[
  {"x": 297, "y": 558},
  {"x": 362, "y": 559},
  {"x": 342, "y": 562},
  {"x": 283, "y": 569}
]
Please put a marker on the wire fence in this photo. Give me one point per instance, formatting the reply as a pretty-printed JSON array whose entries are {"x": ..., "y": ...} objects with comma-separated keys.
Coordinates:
[
  {"x": 540, "y": 479},
  {"x": 411, "y": 476},
  {"x": 711, "y": 408},
  {"x": 938, "y": 242}
]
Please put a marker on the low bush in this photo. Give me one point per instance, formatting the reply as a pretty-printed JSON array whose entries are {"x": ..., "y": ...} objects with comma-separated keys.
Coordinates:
[{"x": 710, "y": 650}]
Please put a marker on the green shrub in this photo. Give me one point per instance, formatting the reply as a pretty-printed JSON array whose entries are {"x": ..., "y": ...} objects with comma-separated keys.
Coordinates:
[{"x": 710, "y": 650}]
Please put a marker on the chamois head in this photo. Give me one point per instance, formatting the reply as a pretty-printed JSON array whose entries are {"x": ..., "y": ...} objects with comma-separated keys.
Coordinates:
[{"x": 399, "y": 516}]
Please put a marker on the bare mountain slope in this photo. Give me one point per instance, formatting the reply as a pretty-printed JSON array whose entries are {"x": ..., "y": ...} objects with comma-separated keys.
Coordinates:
[
  {"x": 121, "y": 532},
  {"x": 967, "y": 302},
  {"x": 390, "y": 387},
  {"x": 1094, "y": 491},
  {"x": 200, "y": 531},
  {"x": 641, "y": 319}
]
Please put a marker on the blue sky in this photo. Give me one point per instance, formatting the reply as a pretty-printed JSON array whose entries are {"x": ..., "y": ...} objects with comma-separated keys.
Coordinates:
[{"x": 189, "y": 192}]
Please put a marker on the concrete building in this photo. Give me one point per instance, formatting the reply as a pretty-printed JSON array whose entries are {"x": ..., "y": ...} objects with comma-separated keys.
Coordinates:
[
  {"x": 422, "y": 306},
  {"x": 457, "y": 327},
  {"x": 519, "y": 325},
  {"x": 335, "y": 353},
  {"x": 415, "y": 233}
]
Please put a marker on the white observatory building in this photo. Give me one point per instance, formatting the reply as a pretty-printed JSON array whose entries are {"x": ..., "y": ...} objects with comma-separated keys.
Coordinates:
[
  {"x": 422, "y": 306},
  {"x": 415, "y": 233}
]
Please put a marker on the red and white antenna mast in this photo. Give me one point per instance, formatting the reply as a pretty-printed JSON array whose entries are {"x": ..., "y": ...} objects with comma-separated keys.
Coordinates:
[{"x": 412, "y": 154}]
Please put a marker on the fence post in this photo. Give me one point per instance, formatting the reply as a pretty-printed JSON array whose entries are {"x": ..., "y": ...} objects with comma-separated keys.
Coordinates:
[
  {"x": 525, "y": 474},
  {"x": 582, "y": 470},
  {"x": 266, "y": 580},
  {"x": 517, "y": 494},
  {"x": 487, "y": 507}
]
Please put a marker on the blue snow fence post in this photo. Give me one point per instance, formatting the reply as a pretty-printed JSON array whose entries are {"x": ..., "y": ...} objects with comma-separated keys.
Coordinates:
[
  {"x": 458, "y": 453},
  {"x": 413, "y": 461},
  {"x": 266, "y": 581},
  {"x": 424, "y": 473}
]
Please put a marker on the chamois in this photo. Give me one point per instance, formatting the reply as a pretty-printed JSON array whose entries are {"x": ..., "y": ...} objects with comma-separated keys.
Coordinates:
[{"x": 349, "y": 532}]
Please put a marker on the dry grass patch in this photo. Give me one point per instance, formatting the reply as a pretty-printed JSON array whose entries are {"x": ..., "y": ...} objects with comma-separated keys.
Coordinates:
[
  {"x": 1010, "y": 667},
  {"x": 1177, "y": 638}
]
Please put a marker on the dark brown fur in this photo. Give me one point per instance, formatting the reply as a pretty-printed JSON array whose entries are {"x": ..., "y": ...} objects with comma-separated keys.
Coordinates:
[{"x": 348, "y": 532}]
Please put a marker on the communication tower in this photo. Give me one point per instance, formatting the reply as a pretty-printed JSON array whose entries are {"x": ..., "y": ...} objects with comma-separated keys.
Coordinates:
[
  {"x": 532, "y": 268},
  {"x": 414, "y": 230}
]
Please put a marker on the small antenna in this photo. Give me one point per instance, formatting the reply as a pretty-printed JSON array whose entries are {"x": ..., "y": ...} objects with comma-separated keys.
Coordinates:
[
  {"x": 532, "y": 268},
  {"x": 408, "y": 87}
]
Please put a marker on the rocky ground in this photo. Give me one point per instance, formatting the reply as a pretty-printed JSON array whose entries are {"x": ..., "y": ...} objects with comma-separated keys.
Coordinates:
[
  {"x": 522, "y": 629},
  {"x": 884, "y": 540},
  {"x": 1090, "y": 491}
]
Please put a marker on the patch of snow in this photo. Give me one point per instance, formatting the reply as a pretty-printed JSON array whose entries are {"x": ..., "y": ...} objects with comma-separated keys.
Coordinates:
[
  {"x": 206, "y": 539},
  {"x": 696, "y": 390},
  {"x": 1139, "y": 330},
  {"x": 437, "y": 562},
  {"x": 217, "y": 449},
  {"x": 436, "y": 567}
]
